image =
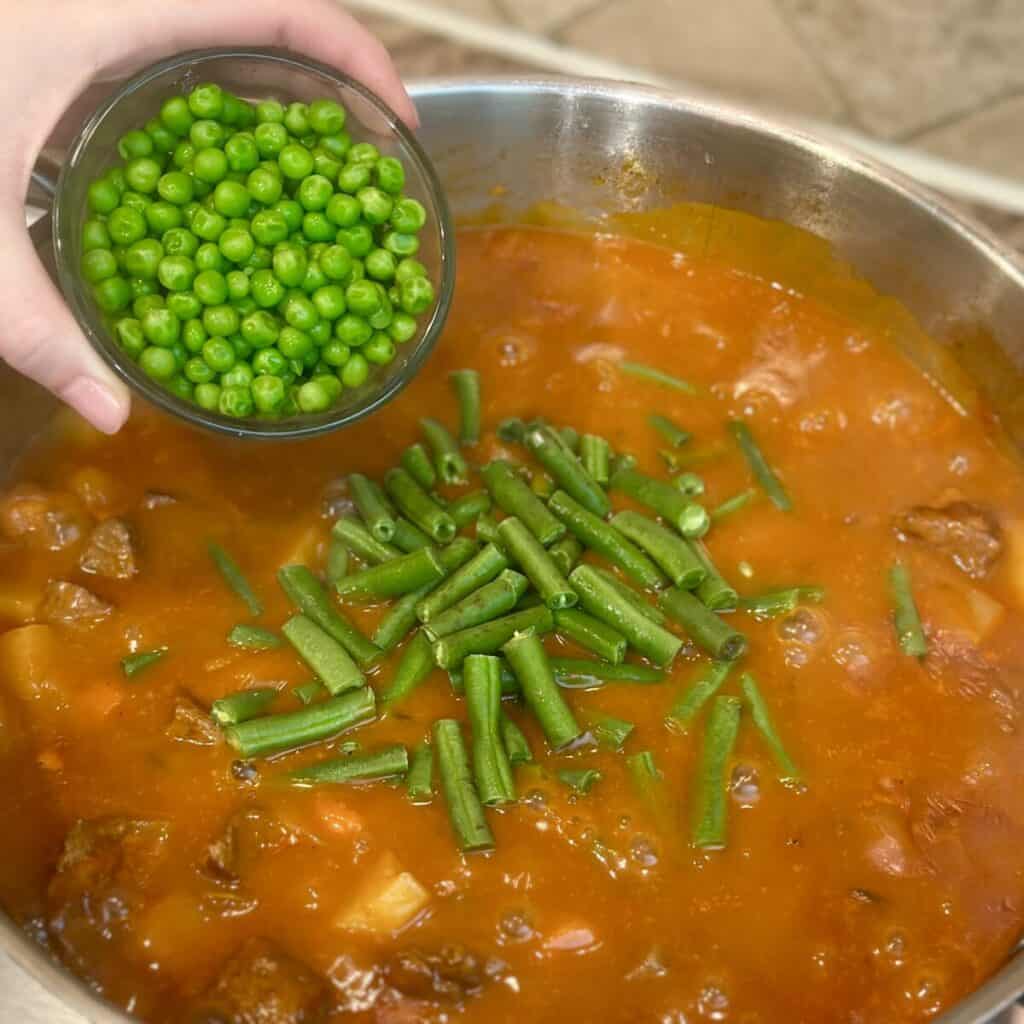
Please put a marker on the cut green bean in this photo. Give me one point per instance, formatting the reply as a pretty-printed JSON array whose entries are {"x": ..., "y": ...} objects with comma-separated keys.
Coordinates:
[
  {"x": 539, "y": 567},
  {"x": 689, "y": 518},
  {"x": 512, "y": 429},
  {"x": 568, "y": 472},
  {"x": 590, "y": 633},
  {"x": 358, "y": 539},
  {"x": 788, "y": 771},
  {"x": 395, "y": 577},
  {"x": 241, "y": 706},
  {"x": 689, "y": 484},
  {"x": 464, "y": 807},
  {"x": 640, "y": 602},
  {"x": 704, "y": 627},
  {"x": 480, "y": 569},
  {"x": 710, "y": 819},
  {"x": 583, "y": 674},
  {"x": 416, "y": 664},
  {"x": 542, "y": 485},
  {"x": 714, "y": 592},
  {"x": 759, "y": 466},
  {"x": 668, "y": 550},
  {"x": 580, "y": 780},
  {"x": 372, "y": 766},
  {"x": 529, "y": 662},
  {"x": 649, "y": 783},
  {"x": 417, "y": 464},
  {"x": 492, "y": 600},
  {"x": 906, "y": 619},
  {"x": 418, "y": 506},
  {"x": 487, "y": 528},
  {"x": 652, "y": 373},
  {"x": 308, "y": 595},
  {"x": 467, "y": 390},
  {"x": 469, "y": 508},
  {"x": 234, "y": 578},
  {"x": 706, "y": 684},
  {"x": 517, "y": 746},
  {"x": 609, "y": 732},
  {"x": 448, "y": 461},
  {"x": 272, "y": 734},
  {"x": 605, "y": 603},
  {"x": 329, "y": 661},
  {"x": 255, "y": 638},
  {"x": 337, "y": 560},
  {"x": 401, "y": 617},
  {"x": 515, "y": 498},
  {"x": 373, "y": 507},
  {"x": 509, "y": 684},
  {"x": 419, "y": 782},
  {"x": 674, "y": 435},
  {"x": 599, "y": 536},
  {"x": 733, "y": 504},
  {"x": 570, "y": 437},
  {"x": 409, "y": 538},
  {"x": 566, "y": 553},
  {"x": 780, "y": 602},
  {"x": 492, "y": 770},
  {"x": 133, "y": 664},
  {"x": 309, "y": 692},
  {"x": 595, "y": 454},
  {"x": 452, "y": 650}
]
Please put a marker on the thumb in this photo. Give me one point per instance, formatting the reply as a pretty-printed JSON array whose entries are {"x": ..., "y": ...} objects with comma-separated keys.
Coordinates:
[{"x": 41, "y": 339}]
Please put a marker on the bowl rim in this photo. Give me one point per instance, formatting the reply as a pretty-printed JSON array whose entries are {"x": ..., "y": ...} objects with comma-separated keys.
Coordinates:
[
  {"x": 291, "y": 428},
  {"x": 1005, "y": 986}
]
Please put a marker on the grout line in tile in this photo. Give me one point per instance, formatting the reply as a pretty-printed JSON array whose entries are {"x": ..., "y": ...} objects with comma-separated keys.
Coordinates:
[{"x": 948, "y": 120}]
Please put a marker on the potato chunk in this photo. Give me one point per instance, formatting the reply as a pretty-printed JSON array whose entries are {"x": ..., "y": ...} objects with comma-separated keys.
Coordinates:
[{"x": 387, "y": 900}]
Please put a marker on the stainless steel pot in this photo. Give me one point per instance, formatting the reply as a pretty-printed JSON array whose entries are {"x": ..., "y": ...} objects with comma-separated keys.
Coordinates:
[{"x": 600, "y": 147}]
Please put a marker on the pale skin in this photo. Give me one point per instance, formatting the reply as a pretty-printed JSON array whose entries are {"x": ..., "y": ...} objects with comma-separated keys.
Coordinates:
[{"x": 52, "y": 52}]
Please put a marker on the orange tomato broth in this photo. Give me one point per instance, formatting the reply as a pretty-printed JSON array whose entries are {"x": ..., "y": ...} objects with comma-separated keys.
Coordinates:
[{"x": 884, "y": 889}]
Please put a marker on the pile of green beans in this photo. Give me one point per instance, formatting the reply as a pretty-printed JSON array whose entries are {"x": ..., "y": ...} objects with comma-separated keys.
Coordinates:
[{"x": 252, "y": 258}]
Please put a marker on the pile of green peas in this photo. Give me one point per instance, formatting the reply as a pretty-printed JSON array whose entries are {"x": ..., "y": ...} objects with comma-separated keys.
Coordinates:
[{"x": 253, "y": 259}]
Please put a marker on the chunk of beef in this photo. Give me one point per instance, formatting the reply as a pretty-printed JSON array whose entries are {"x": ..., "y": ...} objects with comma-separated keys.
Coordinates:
[
  {"x": 249, "y": 832},
  {"x": 450, "y": 974},
  {"x": 71, "y": 605},
  {"x": 52, "y": 521},
  {"x": 967, "y": 533},
  {"x": 261, "y": 984},
  {"x": 109, "y": 551},
  {"x": 191, "y": 724}
]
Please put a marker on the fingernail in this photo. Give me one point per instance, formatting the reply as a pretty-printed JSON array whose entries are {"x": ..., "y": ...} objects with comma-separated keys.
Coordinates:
[{"x": 103, "y": 409}]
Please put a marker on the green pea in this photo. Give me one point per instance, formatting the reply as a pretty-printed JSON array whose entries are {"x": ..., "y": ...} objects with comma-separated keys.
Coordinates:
[
  {"x": 389, "y": 175},
  {"x": 179, "y": 242},
  {"x": 314, "y": 192},
  {"x": 363, "y": 298},
  {"x": 129, "y": 335},
  {"x": 175, "y": 187},
  {"x": 144, "y": 286},
  {"x": 243, "y": 350},
  {"x": 352, "y": 330},
  {"x": 98, "y": 265},
  {"x": 260, "y": 329},
  {"x": 269, "y": 227},
  {"x": 291, "y": 211},
  {"x": 239, "y": 374},
  {"x": 244, "y": 304},
  {"x": 417, "y": 296},
  {"x": 207, "y": 396},
  {"x": 219, "y": 353},
  {"x": 184, "y": 305},
  {"x": 220, "y": 321},
  {"x": 135, "y": 200},
  {"x": 188, "y": 212},
  {"x": 270, "y": 361},
  {"x": 403, "y": 328},
  {"x": 183, "y": 156},
  {"x": 158, "y": 363},
  {"x": 176, "y": 273},
  {"x": 268, "y": 393},
  {"x": 315, "y": 277},
  {"x": 176, "y": 117},
  {"x": 134, "y": 143},
  {"x": 161, "y": 216},
  {"x": 380, "y": 349},
  {"x": 338, "y": 145},
  {"x": 313, "y": 397},
  {"x": 330, "y": 301},
  {"x": 236, "y": 244},
  {"x": 299, "y": 311},
  {"x": 230, "y": 199},
  {"x": 408, "y": 216},
  {"x": 296, "y": 119},
  {"x": 211, "y": 287},
  {"x": 358, "y": 239},
  {"x": 242, "y": 153},
  {"x": 336, "y": 263},
  {"x": 142, "y": 174},
  {"x": 295, "y": 161},
  {"x": 145, "y": 301},
  {"x": 293, "y": 343},
  {"x": 199, "y": 371},
  {"x": 209, "y": 257},
  {"x": 269, "y": 112},
  {"x": 376, "y": 205},
  {"x": 164, "y": 140},
  {"x": 380, "y": 265},
  {"x": 261, "y": 259},
  {"x": 325, "y": 164},
  {"x": 343, "y": 210},
  {"x": 210, "y": 165},
  {"x": 95, "y": 236},
  {"x": 290, "y": 265},
  {"x": 112, "y": 294},
  {"x": 264, "y": 186},
  {"x": 353, "y": 177},
  {"x": 161, "y": 327},
  {"x": 208, "y": 225},
  {"x": 408, "y": 268},
  {"x": 355, "y": 371},
  {"x": 238, "y": 287},
  {"x": 317, "y": 228},
  {"x": 206, "y": 101},
  {"x": 266, "y": 290},
  {"x": 335, "y": 353},
  {"x": 270, "y": 139},
  {"x": 326, "y": 117},
  {"x": 381, "y": 320},
  {"x": 364, "y": 153},
  {"x": 236, "y": 401},
  {"x": 142, "y": 258},
  {"x": 206, "y": 134},
  {"x": 193, "y": 335}
]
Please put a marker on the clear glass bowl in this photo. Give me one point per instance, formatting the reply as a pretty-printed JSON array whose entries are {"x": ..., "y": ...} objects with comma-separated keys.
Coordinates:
[{"x": 253, "y": 75}]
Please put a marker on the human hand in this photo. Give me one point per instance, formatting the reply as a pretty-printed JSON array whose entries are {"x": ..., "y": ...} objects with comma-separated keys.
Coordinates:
[{"x": 52, "y": 52}]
